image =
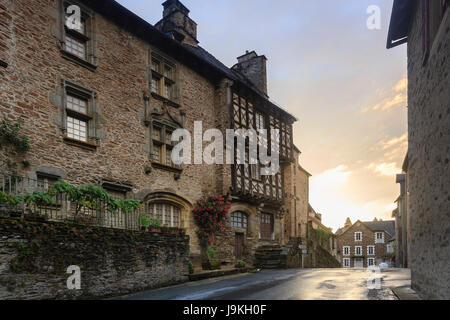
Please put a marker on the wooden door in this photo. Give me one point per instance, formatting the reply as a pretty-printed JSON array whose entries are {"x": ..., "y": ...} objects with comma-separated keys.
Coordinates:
[
  {"x": 239, "y": 245},
  {"x": 266, "y": 226}
]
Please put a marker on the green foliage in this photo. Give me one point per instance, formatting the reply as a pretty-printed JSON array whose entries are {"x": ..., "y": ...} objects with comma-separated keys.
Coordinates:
[
  {"x": 9, "y": 199},
  {"x": 129, "y": 205},
  {"x": 241, "y": 264},
  {"x": 191, "y": 267},
  {"x": 10, "y": 134},
  {"x": 145, "y": 222},
  {"x": 324, "y": 236},
  {"x": 216, "y": 264},
  {"x": 93, "y": 197},
  {"x": 211, "y": 253},
  {"x": 39, "y": 199}
]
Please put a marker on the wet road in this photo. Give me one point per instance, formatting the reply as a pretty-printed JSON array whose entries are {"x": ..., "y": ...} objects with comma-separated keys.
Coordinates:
[{"x": 308, "y": 284}]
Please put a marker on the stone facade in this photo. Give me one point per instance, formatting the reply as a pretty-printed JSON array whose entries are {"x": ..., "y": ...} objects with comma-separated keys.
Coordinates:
[
  {"x": 348, "y": 243},
  {"x": 34, "y": 258},
  {"x": 297, "y": 200},
  {"x": 426, "y": 29},
  {"x": 124, "y": 104}
]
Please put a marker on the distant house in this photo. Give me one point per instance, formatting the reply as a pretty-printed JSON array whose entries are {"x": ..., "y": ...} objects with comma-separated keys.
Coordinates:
[{"x": 366, "y": 244}]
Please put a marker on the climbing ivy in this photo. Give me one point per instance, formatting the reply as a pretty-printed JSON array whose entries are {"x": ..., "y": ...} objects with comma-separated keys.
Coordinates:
[{"x": 10, "y": 133}]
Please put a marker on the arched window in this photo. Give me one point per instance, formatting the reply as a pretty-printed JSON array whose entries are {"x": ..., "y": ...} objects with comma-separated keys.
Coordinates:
[
  {"x": 239, "y": 220},
  {"x": 166, "y": 213}
]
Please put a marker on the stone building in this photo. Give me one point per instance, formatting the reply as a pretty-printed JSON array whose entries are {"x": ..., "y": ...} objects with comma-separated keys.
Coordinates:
[
  {"x": 366, "y": 244},
  {"x": 425, "y": 26},
  {"x": 100, "y": 101},
  {"x": 297, "y": 199},
  {"x": 315, "y": 220},
  {"x": 400, "y": 214}
]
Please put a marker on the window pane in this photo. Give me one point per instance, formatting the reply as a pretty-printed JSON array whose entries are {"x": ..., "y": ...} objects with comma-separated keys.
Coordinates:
[
  {"x": 75, "y": 47},
  {"x": 155, "y": 85},
  {"x": 156, "y": 156},
  {"x": 168, "y": 137},
  {"x": 156, "y": 134},
  {"x": 156, "y": 65},
  {"x": 176, "y": 217},
  {"x": 159, "y": 212},
  {"x": 167, "y": 89},
  {"x": 168, "y": 215},
  {"x": 168, "y": 157},
  {"x": 168, "y": 72},
  {"x": 76, "y": 104},
  {"x": 76, "y": 129}
]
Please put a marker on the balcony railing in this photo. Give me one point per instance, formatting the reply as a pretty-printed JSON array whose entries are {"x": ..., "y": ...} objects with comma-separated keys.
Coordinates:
[{"x": 62, "y": 209}]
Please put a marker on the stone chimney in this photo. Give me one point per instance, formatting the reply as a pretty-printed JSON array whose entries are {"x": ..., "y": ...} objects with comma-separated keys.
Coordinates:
[
  {"x": 177, "y": 24},
  {"x": 254, "y": 67}
]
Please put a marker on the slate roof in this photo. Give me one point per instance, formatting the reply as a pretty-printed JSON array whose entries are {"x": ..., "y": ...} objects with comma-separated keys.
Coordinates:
[
  {"x": 400, "y": 21},
  {"x": 388, "y": 226}
]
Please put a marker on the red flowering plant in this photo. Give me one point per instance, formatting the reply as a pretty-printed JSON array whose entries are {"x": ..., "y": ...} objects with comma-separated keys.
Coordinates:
[{"x": 209, "y": 214}]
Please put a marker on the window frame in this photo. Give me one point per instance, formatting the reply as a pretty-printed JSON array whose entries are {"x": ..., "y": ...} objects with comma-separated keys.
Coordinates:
[
  {"x": 368, "y": 250},
  {"x": 165, "y": 205},
  {"x": 360, "y": 238},
  {"x": 243, "y": 223},
  {"x": 74, "y": 90},
  {"x": 89, "y": 60},
  {"x": 344, "y": 260},
  {"x": 356, "y": 251},
  {"x": 379, "y": 240},
  {"x": 162, "y": 143},
  {"x": 368, "y": 262},
  {"x": 348, "y": 253},
  {"x": 162, "y": 78}
]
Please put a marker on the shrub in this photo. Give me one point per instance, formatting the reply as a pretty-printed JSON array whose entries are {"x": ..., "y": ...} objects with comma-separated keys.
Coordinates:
[
  {"x": 209, "y": 214},
  {"x": 191, "y": 267}
]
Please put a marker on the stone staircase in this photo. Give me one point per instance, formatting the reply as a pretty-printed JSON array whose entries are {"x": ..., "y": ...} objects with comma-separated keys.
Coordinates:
[{"x": 269, "y": 257}]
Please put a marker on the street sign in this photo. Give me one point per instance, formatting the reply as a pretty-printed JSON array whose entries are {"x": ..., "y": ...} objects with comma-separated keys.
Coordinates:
[{"x": 305, "y": 251}]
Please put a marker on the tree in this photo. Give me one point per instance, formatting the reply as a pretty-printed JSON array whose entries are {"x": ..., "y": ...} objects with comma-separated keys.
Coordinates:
[
  {"x": 348, "y": 223},
  {"x": 375, "y": 220}
]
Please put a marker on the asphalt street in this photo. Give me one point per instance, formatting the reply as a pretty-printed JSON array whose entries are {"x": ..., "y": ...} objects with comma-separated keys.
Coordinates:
[{"x": 304, "y": 284}]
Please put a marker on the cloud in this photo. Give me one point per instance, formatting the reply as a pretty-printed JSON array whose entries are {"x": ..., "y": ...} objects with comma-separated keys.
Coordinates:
[
  {"x": 397, "y": 96},
  {"x": 398, "y": 141},
  {"x": 385, "y": 169},
  {"x": 331, "y": 178}
]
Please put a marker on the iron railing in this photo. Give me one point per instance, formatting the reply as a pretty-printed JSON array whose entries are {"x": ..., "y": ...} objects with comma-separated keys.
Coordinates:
[{"x": 62, "y": 209}]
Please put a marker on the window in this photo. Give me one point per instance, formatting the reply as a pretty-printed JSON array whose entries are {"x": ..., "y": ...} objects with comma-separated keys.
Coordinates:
[
  {"x": 45, "y": 181},
  {"x": 162, "y": 144},
  {"x": 371, "y": 250},
  {"x": 358, "y": 251},
  {"x": 370, "y": 262},
  {"x": 346, "y": 251},
  {"x": 358, "y": 236},
  {"x": 78, "y": 44},
  {"x": 389, "y": 248},
  {"x": 379, "y": 237},
  {"x": 239, "y": 220},
  {"x": 167, "y": 214},
  {"x": 163, "y": 74},
  {"x": 78, "y": 115},
  {"x": 346, "y": 262}
]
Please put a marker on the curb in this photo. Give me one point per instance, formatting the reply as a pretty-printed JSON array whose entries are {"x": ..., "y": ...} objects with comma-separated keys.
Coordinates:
[
  {"x": 405, "y": 293},
  {"x": 217, "y": 274}
]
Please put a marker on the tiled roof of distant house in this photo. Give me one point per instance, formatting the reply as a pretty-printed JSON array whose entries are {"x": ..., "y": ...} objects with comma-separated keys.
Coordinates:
[{"x": 388, "y": 226}]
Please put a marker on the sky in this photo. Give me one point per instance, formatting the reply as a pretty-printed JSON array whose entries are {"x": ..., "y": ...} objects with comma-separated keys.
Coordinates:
[{"x": 335, "y": 76}]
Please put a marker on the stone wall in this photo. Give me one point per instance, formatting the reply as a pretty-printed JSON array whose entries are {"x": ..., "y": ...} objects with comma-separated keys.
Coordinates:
[
  {"x": 34, "y": 258},
  {"x": 429, "y": 167}
]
